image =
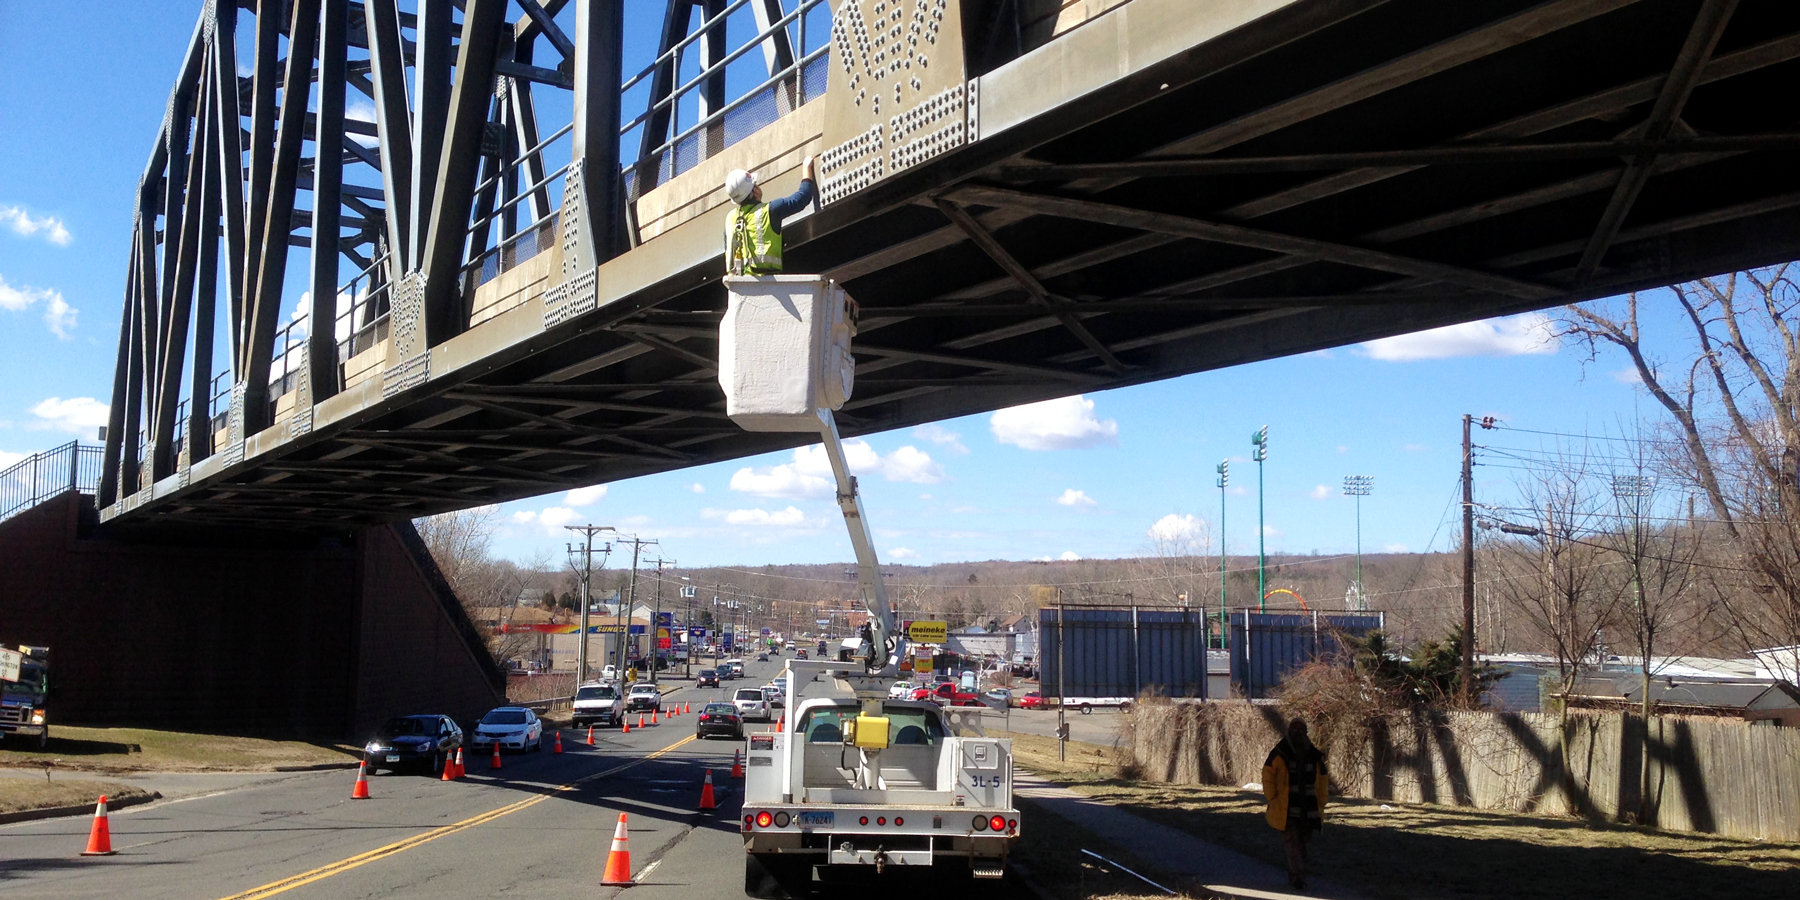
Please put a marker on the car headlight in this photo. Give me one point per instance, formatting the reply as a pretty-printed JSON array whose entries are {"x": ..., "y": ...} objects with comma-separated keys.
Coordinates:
[{"x": 37, "y": 717}]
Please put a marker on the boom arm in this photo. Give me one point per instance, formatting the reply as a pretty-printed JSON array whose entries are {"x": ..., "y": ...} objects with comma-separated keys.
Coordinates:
[{"x": 883, "y": 652}]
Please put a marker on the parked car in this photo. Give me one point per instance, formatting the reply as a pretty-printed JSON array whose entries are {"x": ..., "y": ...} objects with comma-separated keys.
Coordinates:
[
  {"x": 719, "y": 719},
  {"x": 1031, "y": 700},
  {"x": 424, "y": 741},
  {"x": 997, "y": 698},
  {"x": 900, "y": 690},
  {"x": 707, "y": 678},
  {"x": 946, "y": 694},
  {"x": 610, "y": 673},
  {"x": 598, "y": 702},
  {"x": 643, "y": 698},
  {"x": 751, "y": 704},
  {"x": 512, "y": 727}
]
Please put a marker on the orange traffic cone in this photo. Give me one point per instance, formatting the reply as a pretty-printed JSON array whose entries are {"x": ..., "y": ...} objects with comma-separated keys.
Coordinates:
[
  {"x": 461, "y": 770},
  {"x": 558, "y": 747},
  {"x": 684, "y": 709},
  {"x": 495, "y": 762},
  {"x": 640, "y": 720},
  {"x": 449, "y": 773},
  {"x": 618, "y": 862},
  {"x": 706, "y": 793},
  {"x": 361, "y": 791},
  {"x": 737, "y": 764},
  {"x": 624, "y": 725},
  {"x": 653, "y": 718},
  {"x": 590, "y": 735},
  {"x": 99, "y": 836}
]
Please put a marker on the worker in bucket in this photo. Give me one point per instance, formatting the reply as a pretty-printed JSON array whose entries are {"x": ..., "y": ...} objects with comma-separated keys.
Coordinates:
[
  {"x": 1296, "y": 783},
  {"x": 753, "y": 228}
]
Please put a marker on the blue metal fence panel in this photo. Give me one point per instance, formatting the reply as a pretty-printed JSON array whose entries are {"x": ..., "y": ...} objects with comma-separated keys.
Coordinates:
[
  {"x": 1265, "y": 647},
  {"x": 1122, "y": 651}
]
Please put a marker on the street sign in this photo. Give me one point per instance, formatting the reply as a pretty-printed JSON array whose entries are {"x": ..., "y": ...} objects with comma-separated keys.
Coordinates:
[
  {"x": 921, "y": 659},
  {"x": 10, "y": 662},
  {"x": 822, "y": 622},
  {"x": 689, "y": 592},
  {"x": 928, "y": 632}
]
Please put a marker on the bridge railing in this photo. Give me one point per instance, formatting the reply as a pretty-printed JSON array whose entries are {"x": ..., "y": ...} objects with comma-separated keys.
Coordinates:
[{"x": 40, "y": 476}]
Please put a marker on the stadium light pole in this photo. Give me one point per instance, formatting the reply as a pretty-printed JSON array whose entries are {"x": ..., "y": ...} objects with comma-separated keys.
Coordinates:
[
  {"x": 1224, "y": 471},
  {"x": 1260, "y": 440},
  {"x": 1358, "y": 486}
]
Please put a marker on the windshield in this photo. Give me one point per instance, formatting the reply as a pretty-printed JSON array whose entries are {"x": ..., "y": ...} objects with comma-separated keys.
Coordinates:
[
  {"x": 708, "y": 673},
  {"x": 408, "y": 728},
  {"x": 596, "y": 693},
  {"x": 644, "y": 689},
  {"x": 749, "y": 694},
  {"x": 907, "y": 726},
  {"x": 504, "y": 717},
  {"x": 720, "y": 709}
]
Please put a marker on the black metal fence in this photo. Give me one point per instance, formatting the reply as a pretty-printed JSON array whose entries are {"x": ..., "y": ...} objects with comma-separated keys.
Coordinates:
[
  {"x": 1120, "y": 651},
  {"x": 40, "y": 476},
  {"x": 1265, "y": 647}
]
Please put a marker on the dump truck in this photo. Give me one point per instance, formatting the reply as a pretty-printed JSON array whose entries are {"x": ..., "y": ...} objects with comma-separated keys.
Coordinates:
[
  {"x": 24, "y": 695},
  {"x": 854, "y": 780}
]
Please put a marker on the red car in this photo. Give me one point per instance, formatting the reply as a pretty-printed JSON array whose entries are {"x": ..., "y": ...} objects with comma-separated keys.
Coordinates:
[
  {"x": 1033, "y": 700},
  {"x": 946, "y": 694}
]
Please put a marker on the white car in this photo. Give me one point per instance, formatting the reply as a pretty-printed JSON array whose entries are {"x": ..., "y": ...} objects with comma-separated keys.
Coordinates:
[
  {"x": 599, "y": 702},
  {"x": 900, "y": 690},
  {"x": 512, "y": 727},
  {"x": 751, "y": 704}
]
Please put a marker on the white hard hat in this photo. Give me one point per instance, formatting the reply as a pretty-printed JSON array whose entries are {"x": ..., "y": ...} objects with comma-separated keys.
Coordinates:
[{"x": 739, "y": 184}]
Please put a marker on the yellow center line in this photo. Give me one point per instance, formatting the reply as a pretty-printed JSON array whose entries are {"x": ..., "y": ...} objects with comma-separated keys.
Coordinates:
[{"x": 345, "y": 865}]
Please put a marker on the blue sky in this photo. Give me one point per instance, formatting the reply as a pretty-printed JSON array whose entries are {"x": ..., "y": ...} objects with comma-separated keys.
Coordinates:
[{"x": 82, "y": 90}]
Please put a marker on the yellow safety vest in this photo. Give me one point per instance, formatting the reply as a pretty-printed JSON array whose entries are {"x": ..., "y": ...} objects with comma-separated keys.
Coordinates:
[{"x": 752, "y": 245}]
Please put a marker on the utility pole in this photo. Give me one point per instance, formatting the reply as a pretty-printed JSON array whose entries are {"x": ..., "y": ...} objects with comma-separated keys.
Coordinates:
[
  {"x": 1261, "y": 441},
  {"x": 624, "y": 611},
  {"x": 1224, "y": 471},
  {"x": 1358, "y": 486},
  {"x": 587, "y": 573},
  {"x": 1466, "y": 673},
  {"x": 655, "y": 627}
]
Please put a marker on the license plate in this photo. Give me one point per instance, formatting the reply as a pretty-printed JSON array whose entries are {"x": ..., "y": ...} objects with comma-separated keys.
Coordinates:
[
  {"x": 817, "y": 819},
  {"x": 393, "y": 757}
]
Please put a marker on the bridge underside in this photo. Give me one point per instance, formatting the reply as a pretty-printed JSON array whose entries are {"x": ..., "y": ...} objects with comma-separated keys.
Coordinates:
[{"x": 1320, "y": 174}]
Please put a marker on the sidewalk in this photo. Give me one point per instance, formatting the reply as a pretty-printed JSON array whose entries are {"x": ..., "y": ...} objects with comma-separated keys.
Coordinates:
[{"x": 1177, "y": 852}]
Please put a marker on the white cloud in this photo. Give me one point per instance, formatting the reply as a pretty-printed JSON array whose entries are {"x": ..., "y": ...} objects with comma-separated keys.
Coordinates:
[
  {"x": 1343, "y": 449},
  {"x": 1067, "y": 423},
  {"x": 1271, "y": 531},
  {"x": 925, "y": 497},
  {"x": 697, "y": 488},
  {"x": 1073, "y": 497},
  {"x": 8, "y": 459},
  {"x": 555, "y": 517},
  {"x": 23, "y": 224},
  {"x": 524, "y": 516},
  {"x": 1175, "y": 527},
  {"x": 1069, "y": 556},
  {"x": 1530, "y": 333},
  {"x": 902, "y": 553},
  {"x": 586, "y": 496},
  {"x": 1393, "y": 548},
  {"x": 76, "y": 415},
  {"x": 942, "y": 437},
  {"x": 781, "y": 517},
  {"x": 1321, "y": 492},
  {"x": 809, "y": 475},
  {"x": 1628, "y": 376},
  {"x": 59, "y": 316}
]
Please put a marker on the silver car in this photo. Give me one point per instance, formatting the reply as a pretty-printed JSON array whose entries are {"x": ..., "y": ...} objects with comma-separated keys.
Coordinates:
[{"x": 751, "y": 704}]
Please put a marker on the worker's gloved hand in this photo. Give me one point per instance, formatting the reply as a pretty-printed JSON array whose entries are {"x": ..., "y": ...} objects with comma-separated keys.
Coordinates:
[{"x": 807, "y": 171}]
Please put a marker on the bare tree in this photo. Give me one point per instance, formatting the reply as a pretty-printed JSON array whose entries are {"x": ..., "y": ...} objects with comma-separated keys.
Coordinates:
[{"x": 1733, "y": 399}]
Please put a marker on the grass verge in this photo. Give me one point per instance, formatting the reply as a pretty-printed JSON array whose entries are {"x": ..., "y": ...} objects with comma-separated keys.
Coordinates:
[
  {"x": 146, "y": 750},
  {"x": 21, "y": 794},
  {"x": 1049, "y": 853},
  {"x": 1406, "y": 850}
]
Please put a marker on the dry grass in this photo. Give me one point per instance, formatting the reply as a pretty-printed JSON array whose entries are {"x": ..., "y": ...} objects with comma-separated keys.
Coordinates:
[
  {"x": 1423, "y": 850},
  {"x": 146, "y": 750},
  {"x": 20, "y": 794}
]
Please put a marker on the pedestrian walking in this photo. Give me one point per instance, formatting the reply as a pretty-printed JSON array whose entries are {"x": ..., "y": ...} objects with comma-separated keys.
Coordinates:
[{"x": 1296, "y": 782}]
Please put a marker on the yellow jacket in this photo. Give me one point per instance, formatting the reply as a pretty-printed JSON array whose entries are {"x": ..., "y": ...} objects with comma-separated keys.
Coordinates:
[{"x": 1277, "y": 784}]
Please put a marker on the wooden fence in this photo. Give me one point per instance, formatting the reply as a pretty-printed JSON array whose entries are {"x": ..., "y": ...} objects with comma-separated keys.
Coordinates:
[{"x": 1709, "y": 775}]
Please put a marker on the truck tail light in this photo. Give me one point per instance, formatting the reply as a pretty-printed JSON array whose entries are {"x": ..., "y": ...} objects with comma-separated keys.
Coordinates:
[
  {"x": 782, "y": 819},
  {"x": 863, "y": 821},
  {"x": 981, "y": 823},
  {"x": 748, "y": 821},
  {"x": 899, "y": 821},
  {"x": 998, "y": 823},
  {"x": 763, "y": 819}
]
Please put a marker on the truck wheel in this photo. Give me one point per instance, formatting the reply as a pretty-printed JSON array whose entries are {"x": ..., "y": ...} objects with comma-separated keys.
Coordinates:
[
  {"x": 1086, "y": 709},
  {"x": 43, "y": 741},
  {"x": 772, "y": 877}
]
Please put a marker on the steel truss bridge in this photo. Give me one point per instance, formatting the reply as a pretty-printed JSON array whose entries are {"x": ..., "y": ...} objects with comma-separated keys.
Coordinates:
[{"x": 509, "y": 244}]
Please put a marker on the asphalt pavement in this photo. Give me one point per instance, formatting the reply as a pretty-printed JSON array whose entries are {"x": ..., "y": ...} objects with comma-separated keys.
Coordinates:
[{"x": 539, "y": 826}]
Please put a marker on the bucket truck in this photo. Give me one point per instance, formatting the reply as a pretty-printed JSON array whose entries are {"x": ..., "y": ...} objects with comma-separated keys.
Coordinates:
[{"x": 853, "y": 780}]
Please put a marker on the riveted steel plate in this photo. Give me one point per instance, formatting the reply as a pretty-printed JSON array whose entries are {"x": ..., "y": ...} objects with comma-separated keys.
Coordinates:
[{"x": 896, "y": 93}]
